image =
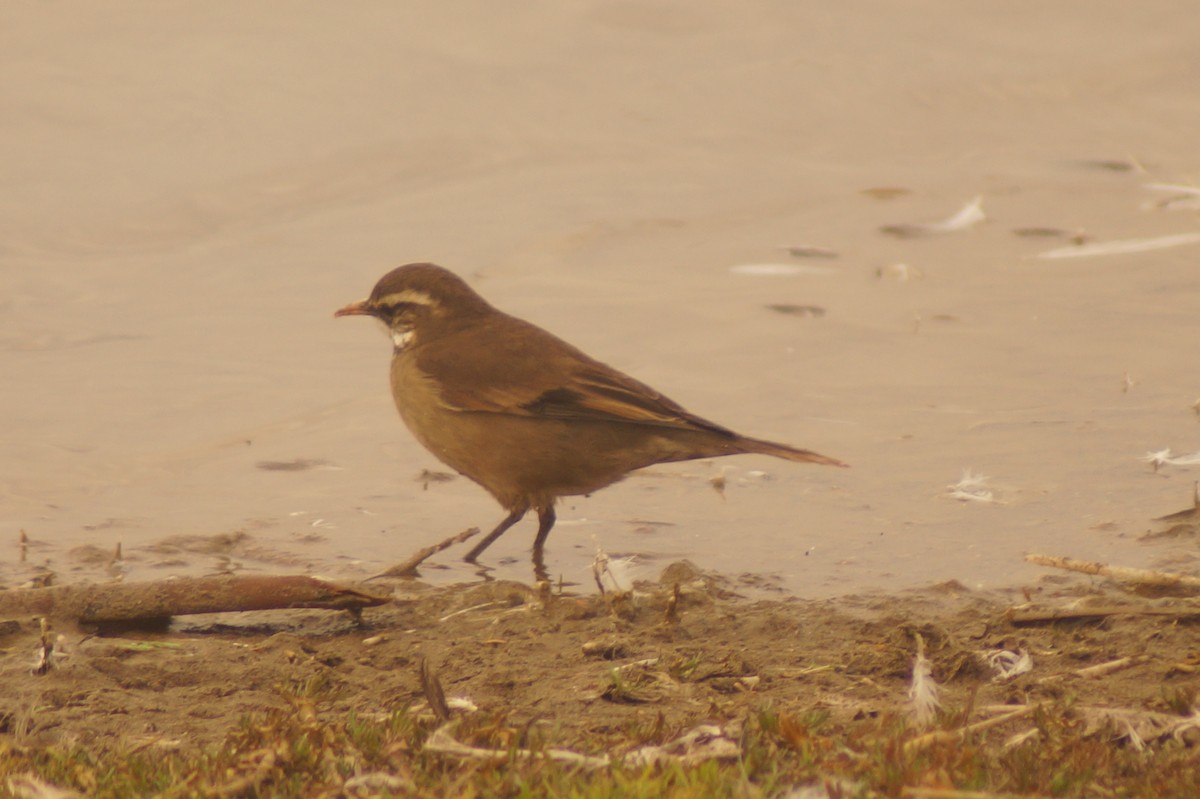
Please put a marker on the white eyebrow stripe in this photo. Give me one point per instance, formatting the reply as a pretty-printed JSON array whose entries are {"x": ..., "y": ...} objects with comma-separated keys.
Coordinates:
[{"x": 406, "y": 295}]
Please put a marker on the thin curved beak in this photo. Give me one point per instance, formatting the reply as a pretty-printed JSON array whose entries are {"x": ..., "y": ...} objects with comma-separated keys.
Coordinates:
[{"x": 359, "y": 308}]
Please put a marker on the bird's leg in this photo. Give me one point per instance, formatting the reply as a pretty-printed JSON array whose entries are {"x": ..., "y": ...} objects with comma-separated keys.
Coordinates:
[
  {"x": 540, "y": 573},
  {"x": 546, "y": 519},
  {"x": 503, "y": 526}
]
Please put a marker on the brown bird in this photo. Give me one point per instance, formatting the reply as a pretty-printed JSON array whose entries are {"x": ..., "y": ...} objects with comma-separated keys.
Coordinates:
[{"x": 520, "y": 411}]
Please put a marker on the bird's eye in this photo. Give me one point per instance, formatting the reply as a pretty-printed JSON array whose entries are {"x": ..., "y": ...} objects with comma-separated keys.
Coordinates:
[{"x": 398, "y": 309}]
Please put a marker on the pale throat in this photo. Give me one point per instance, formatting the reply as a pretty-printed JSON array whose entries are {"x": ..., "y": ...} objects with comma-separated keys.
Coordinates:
[{"x": 401, "y": 336}]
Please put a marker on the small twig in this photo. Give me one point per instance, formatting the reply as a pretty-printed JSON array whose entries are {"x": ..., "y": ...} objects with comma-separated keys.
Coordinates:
[
  {"x": 1099, "y": 670},
  {"x": 995, "y": 710},
  {"x": 1122, "y": 246},
  {"x": 1104, "y": 669},
  {"x": 1039, "y": 616},
  {"x": 952, "y": 793},
  {"x": 940, "y": 736},
  {"x": 409, "y": 567},
  {"x": 1121, "y": 573},
  {"x": 792, "y": 674},
  {"x": 472, "y": 609},
  {"x": 442, "y": 742},
  {"x": 636, "y": 664}
]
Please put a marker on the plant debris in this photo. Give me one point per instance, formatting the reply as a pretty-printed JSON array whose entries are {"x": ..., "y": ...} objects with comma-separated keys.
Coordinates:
[
  {"x": 1120, "y": 247},
  {"x": 789, "y": 309},
  {"x": 729, "y": 698},
  {"x": 968, "y": 216}
]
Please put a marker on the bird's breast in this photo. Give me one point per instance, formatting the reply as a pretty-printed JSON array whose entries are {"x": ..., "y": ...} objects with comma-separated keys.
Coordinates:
[{"x": 416, "y": 395}]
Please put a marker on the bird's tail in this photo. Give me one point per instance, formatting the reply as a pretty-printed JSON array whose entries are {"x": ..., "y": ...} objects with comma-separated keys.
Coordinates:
[{"x": 762, "y": 447}]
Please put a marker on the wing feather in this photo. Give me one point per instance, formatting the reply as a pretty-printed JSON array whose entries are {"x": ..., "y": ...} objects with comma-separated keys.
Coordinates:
[{"x": 512, "y": 367}]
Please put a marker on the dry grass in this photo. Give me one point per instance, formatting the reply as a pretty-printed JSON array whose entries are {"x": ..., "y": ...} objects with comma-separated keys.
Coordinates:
[{"x": 305, "y": 751}]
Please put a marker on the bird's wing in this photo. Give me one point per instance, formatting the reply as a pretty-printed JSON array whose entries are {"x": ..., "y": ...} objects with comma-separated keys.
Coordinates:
[
  {"x": 537, "y": 375},
  {"x": 602, "y": 393}
]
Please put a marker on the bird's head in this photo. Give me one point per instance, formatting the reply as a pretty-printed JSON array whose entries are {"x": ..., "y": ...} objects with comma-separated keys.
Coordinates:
[{"x": 415, "y": 298}]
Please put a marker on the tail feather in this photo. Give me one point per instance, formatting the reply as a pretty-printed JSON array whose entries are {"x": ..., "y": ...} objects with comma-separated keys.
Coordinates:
[{"x": 757, "y": 445}]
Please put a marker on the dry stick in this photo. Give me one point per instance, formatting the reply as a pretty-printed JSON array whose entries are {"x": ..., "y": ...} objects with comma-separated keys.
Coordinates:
[
  {"x": 951, "y": 793},
  {"x": 1122, "y": 573},
  {"x": 1108, "y": 667},
  {"x": 159, "y": 599},
  {"x": 993, "y": 710},
  {"x": 1036, "y": 616},
  {"x": 481, "y": 606},
  {"x": 409, "y": 567},
  {"x": 928, "y": 739},
  {"x": 442, "y": 742},
  {"x": 637, "y": 664},
  {"x": 1099, "y": 670}
]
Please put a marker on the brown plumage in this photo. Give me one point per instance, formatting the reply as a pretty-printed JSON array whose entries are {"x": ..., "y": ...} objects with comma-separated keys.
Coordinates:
[{"x": 520, "y": 411}]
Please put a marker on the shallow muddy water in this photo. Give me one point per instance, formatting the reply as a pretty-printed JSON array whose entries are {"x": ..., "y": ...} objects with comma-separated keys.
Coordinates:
[{"x": 190, "y": 192}]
